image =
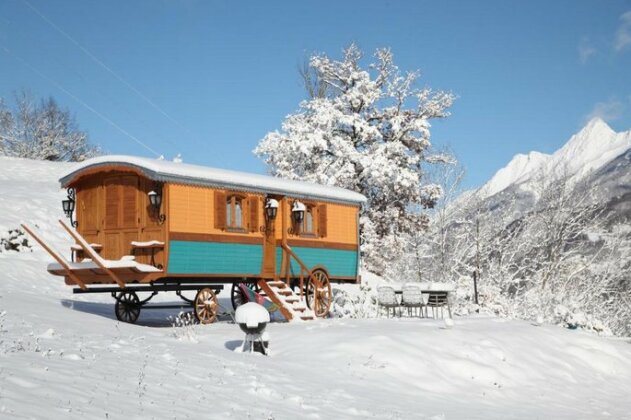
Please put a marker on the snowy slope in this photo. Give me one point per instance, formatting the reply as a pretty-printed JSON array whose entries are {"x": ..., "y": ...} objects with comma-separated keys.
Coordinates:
[
  {"x": 590, "y": 149},
  {"x": 519, "y": 169},
  {"x": 29, "y": 191},
  {"x": 64, "y": 356}
]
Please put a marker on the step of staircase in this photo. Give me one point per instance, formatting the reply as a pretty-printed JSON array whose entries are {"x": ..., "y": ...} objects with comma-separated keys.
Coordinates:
[
  {"x": 291, "y": 305},
  {"x": 277, "y": 283}
]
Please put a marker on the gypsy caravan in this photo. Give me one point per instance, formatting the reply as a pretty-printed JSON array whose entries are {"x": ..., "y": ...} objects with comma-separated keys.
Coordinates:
[{"x": 148, "y": 226}]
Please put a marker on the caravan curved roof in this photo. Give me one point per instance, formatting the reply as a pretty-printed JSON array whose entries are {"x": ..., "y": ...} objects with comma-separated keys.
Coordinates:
[{"x": 183, "y": 173}]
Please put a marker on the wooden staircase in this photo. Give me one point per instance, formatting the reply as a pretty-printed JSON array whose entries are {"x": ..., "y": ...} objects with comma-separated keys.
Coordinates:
[{"x": 291, "y": 305}]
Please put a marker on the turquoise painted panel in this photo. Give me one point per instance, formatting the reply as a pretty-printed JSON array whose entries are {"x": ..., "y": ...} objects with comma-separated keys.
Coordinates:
[
  {"x": 188, "y": 257},
  {"x": 338, "y": 262}
]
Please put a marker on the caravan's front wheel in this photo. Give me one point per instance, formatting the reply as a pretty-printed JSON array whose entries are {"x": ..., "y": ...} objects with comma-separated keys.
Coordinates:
[
  {"x": 318, "y": 293},
  {"x": 127, "y": 307}
]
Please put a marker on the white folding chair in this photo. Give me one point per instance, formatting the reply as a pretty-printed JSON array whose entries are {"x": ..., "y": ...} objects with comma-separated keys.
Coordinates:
[
  {"x": 412, "y": 298},
  {"x": 386, "y": 298}
]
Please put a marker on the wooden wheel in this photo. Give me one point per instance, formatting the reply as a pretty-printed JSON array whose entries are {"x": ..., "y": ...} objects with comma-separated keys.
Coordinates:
[
  {"x": 206, "y": 306},
  {"x": 127, "y": 307},
  {"x": 237, "y": 297},
  {"x": 318, "y": 293}
]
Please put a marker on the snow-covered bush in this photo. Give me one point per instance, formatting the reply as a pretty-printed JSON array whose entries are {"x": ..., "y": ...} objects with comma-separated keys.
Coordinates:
[
  {"x": 361, "y": 303},
  {"x": 367, "y": 130},
  {"x": 14, "y": 240},
  {"x": 183, "y": 327}
]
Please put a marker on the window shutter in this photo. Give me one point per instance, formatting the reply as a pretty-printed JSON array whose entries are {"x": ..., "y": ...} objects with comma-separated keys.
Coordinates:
[
  {"x": 322, "y": 219},
  {"x": 220, "y": 210},
  {"x": 254, "y": 214}
]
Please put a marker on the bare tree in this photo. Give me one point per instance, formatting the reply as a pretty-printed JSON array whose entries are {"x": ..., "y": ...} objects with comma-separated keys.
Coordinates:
[{"x": 41, "y": 131}]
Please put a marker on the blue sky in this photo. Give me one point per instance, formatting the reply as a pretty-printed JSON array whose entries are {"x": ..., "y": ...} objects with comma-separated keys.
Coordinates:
[{"x": 210, "y": 79}]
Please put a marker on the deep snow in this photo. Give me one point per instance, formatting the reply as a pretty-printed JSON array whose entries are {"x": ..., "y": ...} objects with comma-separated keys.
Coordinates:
[{"x": 65, "y": 355}]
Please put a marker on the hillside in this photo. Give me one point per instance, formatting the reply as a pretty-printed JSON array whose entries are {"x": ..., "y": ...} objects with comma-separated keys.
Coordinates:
[{"x": 65, "y": 356}]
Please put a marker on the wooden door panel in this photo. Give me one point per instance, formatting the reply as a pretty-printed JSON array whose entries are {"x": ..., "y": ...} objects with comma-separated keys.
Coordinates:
[
  {"x": 122, "y": 218},
  {"x": 111, "y": 246},
  {"x": 87, "y": 210},
  {"x": 126, "y": 239},
  {"x": 129, "y": 214},
  {"x": 112, "y": 203},
  {"x": 91, "y": 238}
]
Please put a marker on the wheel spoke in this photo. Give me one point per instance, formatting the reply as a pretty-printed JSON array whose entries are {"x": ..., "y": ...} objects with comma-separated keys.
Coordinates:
[{"x": 205, "y": 304}]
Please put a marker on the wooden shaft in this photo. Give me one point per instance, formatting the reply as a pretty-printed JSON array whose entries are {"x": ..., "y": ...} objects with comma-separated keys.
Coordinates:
[
  {"x": 89, "y": 251},
  {"x": 57, "y": 258}
]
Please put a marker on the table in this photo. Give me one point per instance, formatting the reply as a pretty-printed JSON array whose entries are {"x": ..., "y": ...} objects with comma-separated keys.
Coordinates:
[
  {"x": 150, "y": 245},
  {"x": 76, "y": 251},
  {"x": 435, "y": 295}
]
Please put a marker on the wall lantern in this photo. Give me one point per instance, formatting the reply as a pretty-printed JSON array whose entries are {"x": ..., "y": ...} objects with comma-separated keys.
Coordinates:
[
  {"x": 271, "y": 208},
  {"x": 298, "y": 212},
  {"x": 68, "y": 205},
  {"x": 155, "y": 199}
]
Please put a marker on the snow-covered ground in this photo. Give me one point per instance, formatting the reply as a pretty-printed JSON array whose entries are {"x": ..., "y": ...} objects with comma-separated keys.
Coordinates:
[{"x": 66, "y": 356}]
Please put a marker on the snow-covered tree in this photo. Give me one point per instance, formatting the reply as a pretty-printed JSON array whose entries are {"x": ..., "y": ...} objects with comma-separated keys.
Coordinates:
[
  {"x": 369, "y": 131},
  {"x": 41, "y": 131}
]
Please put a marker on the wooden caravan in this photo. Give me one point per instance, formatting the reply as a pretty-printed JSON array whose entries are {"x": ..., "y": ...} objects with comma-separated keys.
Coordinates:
[{"x": 175, "y": 226}]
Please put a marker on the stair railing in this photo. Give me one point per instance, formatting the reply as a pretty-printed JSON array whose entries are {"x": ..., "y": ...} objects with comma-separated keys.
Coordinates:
[{"x": 287, "y": 267}]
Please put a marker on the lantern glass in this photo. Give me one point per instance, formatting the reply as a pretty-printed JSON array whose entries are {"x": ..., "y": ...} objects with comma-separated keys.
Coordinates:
[
  {"x": 155, "y": 199},
  {"x": 271, "y": 208},
  {"x": 68, "y": 206},
  {"x": 299, "y": 215},
  {"x": 270, "y": 212},
  {"x": 298, "y": 212}
]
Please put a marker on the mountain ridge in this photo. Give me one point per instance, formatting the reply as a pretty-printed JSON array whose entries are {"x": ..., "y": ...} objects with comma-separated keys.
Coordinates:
[{"x": 590, "y": 149}]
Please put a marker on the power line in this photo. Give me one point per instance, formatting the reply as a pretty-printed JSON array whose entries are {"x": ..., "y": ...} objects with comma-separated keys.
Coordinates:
[
  {"x": 80, "y": 101},
  {"x": 104, "y": 66}
]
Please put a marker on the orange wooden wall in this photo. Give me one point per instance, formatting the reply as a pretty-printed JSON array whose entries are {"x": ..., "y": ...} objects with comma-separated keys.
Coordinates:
[{"x": 191, "y": 211}]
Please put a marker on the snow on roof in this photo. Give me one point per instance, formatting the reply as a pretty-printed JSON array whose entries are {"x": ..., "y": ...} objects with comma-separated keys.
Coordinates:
[{"x": 183, "y": 173}]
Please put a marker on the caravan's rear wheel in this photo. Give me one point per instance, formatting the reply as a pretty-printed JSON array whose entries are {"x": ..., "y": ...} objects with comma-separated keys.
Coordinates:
[
  {"x": 318, "y": 293},
  {"x": 206, "y": 306},
  {"x": 127, "y": 307}
]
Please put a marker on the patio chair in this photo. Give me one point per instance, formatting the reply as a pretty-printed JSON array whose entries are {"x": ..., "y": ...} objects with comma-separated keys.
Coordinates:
[
  {"x": 438, "y": 300},
  {"x": 386, "y": 298},
  {"x": 412, "y": 298}
]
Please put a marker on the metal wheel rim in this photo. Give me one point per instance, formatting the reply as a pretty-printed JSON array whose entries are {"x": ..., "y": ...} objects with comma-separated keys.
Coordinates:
[
  {"x": 127, "y": 307},
  {"x": 318, "y": 293},
  {"x": 206, "y": 305},
  {"x": 237, "y": 297}
]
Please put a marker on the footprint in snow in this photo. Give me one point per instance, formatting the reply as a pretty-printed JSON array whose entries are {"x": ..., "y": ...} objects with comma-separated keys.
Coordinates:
[{"x": 72, "y": 356}]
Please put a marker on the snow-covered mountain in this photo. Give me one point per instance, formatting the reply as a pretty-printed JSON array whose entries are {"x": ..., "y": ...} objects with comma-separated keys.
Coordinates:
[
  {"x": 592, "y": 148},
  {"x": 521, "y": 167}
]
